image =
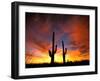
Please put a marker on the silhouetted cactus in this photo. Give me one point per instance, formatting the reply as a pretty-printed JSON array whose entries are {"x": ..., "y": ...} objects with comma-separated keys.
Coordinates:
[
  {"x": 54, "y": 49},
  {"x": 64, "y": 52}
]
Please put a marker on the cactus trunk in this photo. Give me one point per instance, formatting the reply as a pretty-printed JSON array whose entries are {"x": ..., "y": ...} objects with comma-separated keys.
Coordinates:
[
  {"x": 54, "y": 49},
  {"x": 64, "y": 52}
]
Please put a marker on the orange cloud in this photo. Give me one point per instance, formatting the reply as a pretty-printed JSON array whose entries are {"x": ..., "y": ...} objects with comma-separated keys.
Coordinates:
[{"x": 71, "y": 55}]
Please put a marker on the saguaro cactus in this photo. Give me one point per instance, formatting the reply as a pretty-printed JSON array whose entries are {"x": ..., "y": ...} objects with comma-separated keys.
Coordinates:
[
  {"x": 64, "y": 51},
  {"x": 54, "y": 49}
]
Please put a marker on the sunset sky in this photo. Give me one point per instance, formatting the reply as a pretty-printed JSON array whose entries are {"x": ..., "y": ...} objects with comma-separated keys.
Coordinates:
[{"x": 72, "y": 29}]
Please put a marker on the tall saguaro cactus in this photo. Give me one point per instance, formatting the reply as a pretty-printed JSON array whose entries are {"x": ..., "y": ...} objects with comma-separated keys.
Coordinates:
[
  {"x": 64, "y": 51},
  {"x": 54, "y": 49}
]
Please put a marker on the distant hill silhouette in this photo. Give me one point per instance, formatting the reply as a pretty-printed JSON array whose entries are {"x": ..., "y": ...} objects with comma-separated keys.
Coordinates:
[{"x": 69, "y": 63}]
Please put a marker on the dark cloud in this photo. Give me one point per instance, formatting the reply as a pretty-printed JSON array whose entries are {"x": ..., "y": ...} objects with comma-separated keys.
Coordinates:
[{"x": 73, "y": 29}]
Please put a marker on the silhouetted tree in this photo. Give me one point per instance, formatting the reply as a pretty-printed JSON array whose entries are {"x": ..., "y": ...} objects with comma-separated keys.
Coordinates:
[
  {"x": 64, "y": 51},
  {"x": 54, "y": 49}
]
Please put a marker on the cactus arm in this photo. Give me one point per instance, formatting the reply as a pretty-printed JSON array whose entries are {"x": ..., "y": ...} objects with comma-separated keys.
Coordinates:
[
  {"x": 50, "y": 53},
  {"x": 64, "y": 50},
  {"x": 55, "y": 49}
]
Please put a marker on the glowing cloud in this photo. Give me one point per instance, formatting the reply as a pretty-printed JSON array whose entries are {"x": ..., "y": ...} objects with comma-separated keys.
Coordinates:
[{"x": 72, "y": 29}]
